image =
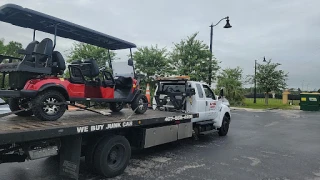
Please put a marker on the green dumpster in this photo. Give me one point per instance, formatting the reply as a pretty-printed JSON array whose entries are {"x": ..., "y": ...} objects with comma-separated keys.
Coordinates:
[{"x": 310, "y": 101}]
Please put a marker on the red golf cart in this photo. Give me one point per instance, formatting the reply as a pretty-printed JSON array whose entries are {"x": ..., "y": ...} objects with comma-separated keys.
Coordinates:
[{"x": 35, "y": 83}]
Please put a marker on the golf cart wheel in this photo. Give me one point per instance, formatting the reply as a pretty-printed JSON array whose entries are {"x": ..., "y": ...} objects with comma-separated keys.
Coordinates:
[
  {"x": 116, "y": 107},
  {"x": 47, "y": 112},
  {"x": 140, "y": 104},
  {"x": 223, "y": 130},
  {"x": 112, "y": 156},
  {"x": 16, "y": 104}
]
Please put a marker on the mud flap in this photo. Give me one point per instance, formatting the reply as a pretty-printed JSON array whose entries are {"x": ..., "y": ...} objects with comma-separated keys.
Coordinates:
[{"x": 70, "y": 153}]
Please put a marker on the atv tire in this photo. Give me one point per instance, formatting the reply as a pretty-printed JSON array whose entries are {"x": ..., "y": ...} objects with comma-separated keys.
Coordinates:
[
  {"x": 48, "y": 112},
  {"x": 16, "y": 104},
  {"x": 116, "y": 107},
  {"x": 140, "y": 104}
]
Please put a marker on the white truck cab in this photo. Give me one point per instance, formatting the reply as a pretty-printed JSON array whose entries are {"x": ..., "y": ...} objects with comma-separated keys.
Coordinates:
[{"x": 212, "y": 111}]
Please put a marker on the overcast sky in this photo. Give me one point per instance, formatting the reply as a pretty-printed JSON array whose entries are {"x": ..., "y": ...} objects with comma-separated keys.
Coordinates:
[{"x": 286, "y": 31}]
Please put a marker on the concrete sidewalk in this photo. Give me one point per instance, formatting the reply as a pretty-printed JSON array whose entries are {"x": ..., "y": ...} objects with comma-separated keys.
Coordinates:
[{"x": 267, "y": 109}]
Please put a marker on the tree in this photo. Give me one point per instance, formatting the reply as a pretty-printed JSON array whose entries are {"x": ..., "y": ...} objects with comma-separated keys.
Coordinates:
[
  {"x": 152, "y": 61},
  {"x": 2, "y": 46},
  {"x": 231, "y": 80},
  {"x": 86, "y": 51},
  {"x": 81, "y": 51},
  {"x": 10, "y": 49},
  {"x": 299, "y": 90},
  {"x": 269, "y": 78},
  {"x": 192, "y": 57}
]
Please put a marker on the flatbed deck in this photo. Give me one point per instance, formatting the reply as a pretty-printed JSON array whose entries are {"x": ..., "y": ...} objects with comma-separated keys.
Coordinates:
[{"x": 21, "y": 129}]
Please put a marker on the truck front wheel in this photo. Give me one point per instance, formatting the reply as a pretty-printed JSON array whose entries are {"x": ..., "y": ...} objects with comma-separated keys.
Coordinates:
[
  {"x": 223, "y": 130},
  {"x": 112, "y": 156},
  {"x": 49, "y": 105}
]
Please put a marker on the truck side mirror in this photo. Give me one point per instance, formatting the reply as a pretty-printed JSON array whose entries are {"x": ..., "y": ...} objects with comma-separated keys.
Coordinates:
[
  {"x": 190, "y": 91},
  {"x": 221, "y": 93},
  {"x": 130, "y": 62}
]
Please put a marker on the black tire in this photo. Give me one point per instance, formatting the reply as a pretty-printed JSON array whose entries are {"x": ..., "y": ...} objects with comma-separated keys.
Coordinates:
[
  {"x": 223, "y": 130},
  {"x": 89, "y": 152},
  {"x": 16, "y": 104},
  {"x": 112, "y": 156},
  {"x": 39, "y": 110},
  {"x": 116, "y": 107},
  {"x": 140, "y": 104}
]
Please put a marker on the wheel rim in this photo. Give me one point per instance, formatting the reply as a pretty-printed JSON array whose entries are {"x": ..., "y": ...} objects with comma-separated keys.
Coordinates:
[
  {"x": 116, "y": 156},
  {"x": 142, "y": 104},
  {"x": 119, "y": 105},
  {"x": 51, "y": 109},
  {"x": 23, "y": 103}
]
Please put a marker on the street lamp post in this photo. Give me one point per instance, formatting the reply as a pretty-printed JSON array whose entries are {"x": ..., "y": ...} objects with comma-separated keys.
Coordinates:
[
  {"x": 211, "y": 34},
  {"x": 255, "y": 80}
]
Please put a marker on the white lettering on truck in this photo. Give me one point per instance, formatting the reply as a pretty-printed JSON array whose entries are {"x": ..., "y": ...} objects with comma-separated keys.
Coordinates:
[
  {"x": 113, "y": 125},
  {"x": 82, "y": 129},
  {"x": 97, "y": 127},
  {"x": 100, "y": 127},
  {"x": 126, "y": 124},
  {"x": 176, "y": 118}
]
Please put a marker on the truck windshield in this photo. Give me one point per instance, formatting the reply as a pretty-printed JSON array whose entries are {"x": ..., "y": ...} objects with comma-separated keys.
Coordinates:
[{"x": 170, "y": 87}]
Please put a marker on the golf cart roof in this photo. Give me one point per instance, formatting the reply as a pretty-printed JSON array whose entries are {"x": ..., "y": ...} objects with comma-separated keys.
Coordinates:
[{"x": 28, "y": 18}]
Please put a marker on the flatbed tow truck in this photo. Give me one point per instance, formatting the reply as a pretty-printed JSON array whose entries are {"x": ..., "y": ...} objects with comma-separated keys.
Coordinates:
[
  {"x": 106, "y": 141},
  {"x": 181, "y": 108}
]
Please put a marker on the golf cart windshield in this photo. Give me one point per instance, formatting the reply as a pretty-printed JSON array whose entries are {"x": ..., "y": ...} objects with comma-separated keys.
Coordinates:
[{"x": 121, "y": 68}]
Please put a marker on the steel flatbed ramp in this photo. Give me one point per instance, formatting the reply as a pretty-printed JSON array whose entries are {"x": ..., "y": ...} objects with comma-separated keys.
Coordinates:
[{"x": 20, "y": 129}]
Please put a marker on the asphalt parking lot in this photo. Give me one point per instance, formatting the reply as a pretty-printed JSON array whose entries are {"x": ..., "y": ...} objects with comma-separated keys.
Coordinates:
[{"x": 277, "y": 145}]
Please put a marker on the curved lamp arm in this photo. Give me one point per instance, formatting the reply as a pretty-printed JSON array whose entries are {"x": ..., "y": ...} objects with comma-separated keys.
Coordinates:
[{"x": 219, "y": 21}]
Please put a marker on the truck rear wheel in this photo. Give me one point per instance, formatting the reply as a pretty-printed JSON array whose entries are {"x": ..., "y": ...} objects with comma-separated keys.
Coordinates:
[
  {"x": 116, "y": 107},
  {"x": 223, "y": 130},
  {"x": 16, "y": 104},
  {"x": 48, "y": 112},
  {"x": 140, "y": 104},
  {"x": 112, "y": 156}
]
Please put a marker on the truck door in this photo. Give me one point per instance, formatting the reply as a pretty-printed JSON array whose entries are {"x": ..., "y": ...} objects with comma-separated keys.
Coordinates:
[
  {"x": 211, "y": 103},
  {"x": 200, "y": 103}
]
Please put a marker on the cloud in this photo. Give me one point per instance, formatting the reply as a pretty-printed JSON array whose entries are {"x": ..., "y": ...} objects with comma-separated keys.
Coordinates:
[{"x": 284, "y": 31}]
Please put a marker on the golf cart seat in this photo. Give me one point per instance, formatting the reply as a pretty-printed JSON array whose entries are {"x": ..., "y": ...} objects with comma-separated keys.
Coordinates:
[
  {"x": 37, "y": 59},
  {"x": 58, "y": 63},
  {"x": 80, "y": 70},
  {"x": 31, "y": 47},
  {"x": 90, "y": 68},
  {"x": 123, "y": 82},
  {"x": 75, "y": 72},
  {"x": 43, "y": 52},
  {"x": 28, "y": 58}
]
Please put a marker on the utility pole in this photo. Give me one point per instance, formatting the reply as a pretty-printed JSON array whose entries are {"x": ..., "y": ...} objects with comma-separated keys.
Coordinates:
[
  {"x": 210, "y": 65},
  {"x": 255, "y": 79},
  {"x": 255, "y": 82},
  {"x": 211, "y": 34}
]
